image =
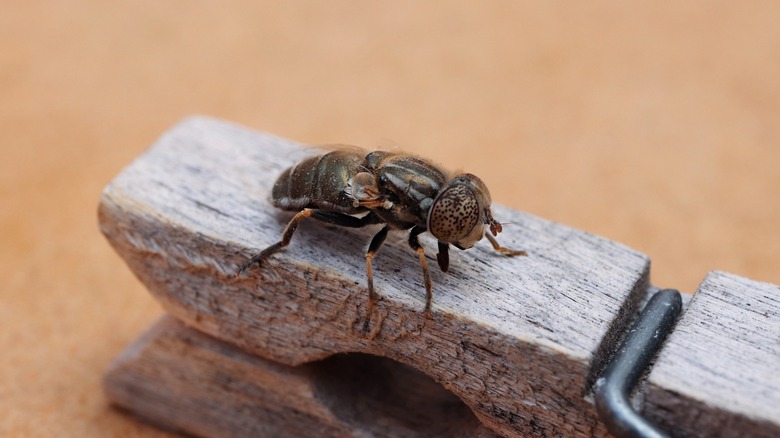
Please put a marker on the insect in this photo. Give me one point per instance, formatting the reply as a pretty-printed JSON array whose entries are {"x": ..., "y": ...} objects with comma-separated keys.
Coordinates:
[{"x": 354, "y": 188}]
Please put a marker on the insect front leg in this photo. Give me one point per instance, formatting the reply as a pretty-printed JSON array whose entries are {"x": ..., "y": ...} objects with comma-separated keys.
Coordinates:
[
  {"x": 415, "y": 244},
  {"x": 443, "y": 257},
  {"x": 501, "y": 249}
]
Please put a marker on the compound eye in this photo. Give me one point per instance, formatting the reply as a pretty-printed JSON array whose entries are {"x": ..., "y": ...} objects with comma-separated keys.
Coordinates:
[{"x": 454, "y": 214}]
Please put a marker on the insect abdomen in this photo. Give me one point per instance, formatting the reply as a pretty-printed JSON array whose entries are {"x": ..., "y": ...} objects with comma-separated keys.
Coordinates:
[{"x": 319, "y": 182}]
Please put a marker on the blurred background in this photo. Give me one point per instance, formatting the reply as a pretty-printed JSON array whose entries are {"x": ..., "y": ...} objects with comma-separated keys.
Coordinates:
[{"x": 653, "y": 124}]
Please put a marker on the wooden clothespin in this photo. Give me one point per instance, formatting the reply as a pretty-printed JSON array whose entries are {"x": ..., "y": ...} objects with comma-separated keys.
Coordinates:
[{"x": 520, "y": 342}]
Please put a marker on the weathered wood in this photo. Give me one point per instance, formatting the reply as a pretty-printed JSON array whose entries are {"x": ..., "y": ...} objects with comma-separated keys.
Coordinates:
[
  {"x": 191, "y": 382},
  {"x": 719, "y": 372},
  {"x": 519, "y": 340}
]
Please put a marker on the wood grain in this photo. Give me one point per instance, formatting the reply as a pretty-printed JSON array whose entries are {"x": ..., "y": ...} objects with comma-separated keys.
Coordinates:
[
  {"x": 719, "y": 373},
  {"x": 519, "y": 340},
  {"x": 190, "y": 382}
]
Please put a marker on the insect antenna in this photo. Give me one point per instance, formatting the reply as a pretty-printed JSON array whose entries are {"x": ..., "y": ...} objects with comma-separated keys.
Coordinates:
[{"x": 511, "y": 223}]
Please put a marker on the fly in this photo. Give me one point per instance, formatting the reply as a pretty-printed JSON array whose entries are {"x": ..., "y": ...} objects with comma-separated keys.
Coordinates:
[{"x": 353, "y": 188}]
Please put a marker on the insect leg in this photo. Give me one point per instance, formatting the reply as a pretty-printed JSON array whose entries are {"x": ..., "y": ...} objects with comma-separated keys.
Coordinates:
[
  {"x": 373, "y": 247},
  {"x": 286, "y": 236},
  {"x": 345, "y": 220},
  {"x": 443, "y": 257},
  {"x": 501, "y": 249},
  {"x": 415, "y": 244},
  {"x": 325, "y": 216}
]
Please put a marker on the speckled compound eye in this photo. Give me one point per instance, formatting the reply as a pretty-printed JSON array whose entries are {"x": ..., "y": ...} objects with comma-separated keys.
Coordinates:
[{"x": 455, "y": 212}]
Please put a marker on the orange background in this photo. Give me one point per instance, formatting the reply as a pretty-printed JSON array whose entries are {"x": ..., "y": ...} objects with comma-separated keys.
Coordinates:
[{"x": 652, "y": 124}]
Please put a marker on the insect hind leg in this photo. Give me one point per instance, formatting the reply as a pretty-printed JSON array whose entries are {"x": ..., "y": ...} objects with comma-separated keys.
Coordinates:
[
  {"x": 345, "y": 220},
  {"x": 321, "y": 215},
  {"x": 259, "y": 257},
  {"x": 289, "y": 230}
]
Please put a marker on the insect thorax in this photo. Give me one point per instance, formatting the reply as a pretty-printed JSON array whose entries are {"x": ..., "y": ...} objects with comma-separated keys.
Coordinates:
[{"x": 411, "y": 183}]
